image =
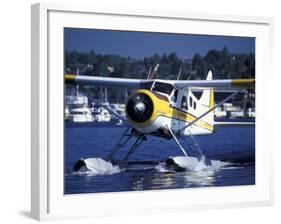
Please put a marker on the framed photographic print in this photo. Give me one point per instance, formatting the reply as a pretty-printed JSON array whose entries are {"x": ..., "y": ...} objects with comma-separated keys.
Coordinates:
[{"x": 138, "y": 111}]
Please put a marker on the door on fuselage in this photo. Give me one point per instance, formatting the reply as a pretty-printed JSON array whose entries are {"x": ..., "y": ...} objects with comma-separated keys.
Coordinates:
[{"x": 180, "y": 107}]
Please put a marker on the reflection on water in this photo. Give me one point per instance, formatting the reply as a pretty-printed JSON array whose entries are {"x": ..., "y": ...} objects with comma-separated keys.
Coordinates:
[
  {"x": 200, "y": 178},
  {"x": 184, "y": 179},
  {"x": 137, "y": 179}
]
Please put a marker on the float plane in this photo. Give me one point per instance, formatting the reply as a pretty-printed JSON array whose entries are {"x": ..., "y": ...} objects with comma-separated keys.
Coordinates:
[{"x": 165, "y": 108}]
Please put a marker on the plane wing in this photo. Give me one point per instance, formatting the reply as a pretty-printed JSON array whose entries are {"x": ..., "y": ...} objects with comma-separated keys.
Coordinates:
[
  {"x": 106, "y": 81},
  {"x": 217, "y": 84}
]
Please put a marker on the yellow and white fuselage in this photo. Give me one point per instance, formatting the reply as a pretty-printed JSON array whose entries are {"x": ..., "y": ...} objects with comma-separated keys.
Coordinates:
[
  {"x": 168, "y": 114},
  {"x": 153, "y": 112}
]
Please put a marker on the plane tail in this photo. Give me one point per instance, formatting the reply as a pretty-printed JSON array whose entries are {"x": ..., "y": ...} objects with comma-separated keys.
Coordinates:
[{"x": 207, "y": 99}]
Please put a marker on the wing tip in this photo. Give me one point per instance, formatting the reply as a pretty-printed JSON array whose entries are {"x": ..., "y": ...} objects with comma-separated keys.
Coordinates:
[{"x": 243, "y": 82}]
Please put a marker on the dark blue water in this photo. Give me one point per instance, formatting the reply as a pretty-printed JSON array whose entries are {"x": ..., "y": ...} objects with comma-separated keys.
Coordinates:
[{"x": 232, "y": 144}]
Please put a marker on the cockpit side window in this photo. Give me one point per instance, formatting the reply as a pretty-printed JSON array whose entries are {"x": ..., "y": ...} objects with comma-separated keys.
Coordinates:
[
  {"x": 184, "y": 103},
  {"x": 175, "y": 97}
]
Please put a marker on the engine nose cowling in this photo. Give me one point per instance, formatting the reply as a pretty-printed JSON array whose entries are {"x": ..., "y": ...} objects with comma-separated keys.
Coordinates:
[{"x": 139, "y": 107}]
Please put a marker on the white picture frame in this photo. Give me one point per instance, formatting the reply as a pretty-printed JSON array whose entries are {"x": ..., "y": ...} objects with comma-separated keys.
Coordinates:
[{"x": 48, "y": 201}]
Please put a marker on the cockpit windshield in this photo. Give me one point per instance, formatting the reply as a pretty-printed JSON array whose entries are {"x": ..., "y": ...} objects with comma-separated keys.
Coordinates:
[
  {"x": 146, "y": 85},
  {"x": 163, "y": 87}
]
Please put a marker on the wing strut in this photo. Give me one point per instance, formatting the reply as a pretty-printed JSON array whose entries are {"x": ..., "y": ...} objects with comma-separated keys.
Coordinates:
[
  {"x": 210, "y": 110},
  {"x": 127, "y": 135},
  {"x": 177, "y": 141}
]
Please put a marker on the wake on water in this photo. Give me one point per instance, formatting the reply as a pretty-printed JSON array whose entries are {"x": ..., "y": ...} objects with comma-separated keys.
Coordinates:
[
  {"x": 98, "y": 166},
  {"x": 187, "y": 163}
]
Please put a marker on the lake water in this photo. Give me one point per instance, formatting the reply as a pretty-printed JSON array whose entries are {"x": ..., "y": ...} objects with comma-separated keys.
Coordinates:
[{"x": 231, "y": 148}]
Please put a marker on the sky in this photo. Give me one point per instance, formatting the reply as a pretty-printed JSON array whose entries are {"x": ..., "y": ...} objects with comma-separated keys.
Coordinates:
[{"x": 138, "y": 45}]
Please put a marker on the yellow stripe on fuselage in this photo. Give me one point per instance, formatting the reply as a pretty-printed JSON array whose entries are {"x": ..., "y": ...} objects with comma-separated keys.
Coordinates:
[
  {"x": 212, "y": 99},
  {"x": 163, "y": 108}
]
